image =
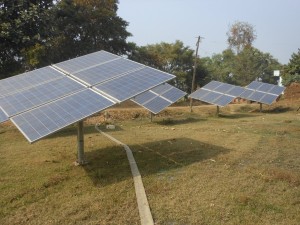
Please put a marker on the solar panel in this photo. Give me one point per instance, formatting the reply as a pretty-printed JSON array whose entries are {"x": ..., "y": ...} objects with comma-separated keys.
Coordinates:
[
  {"x": 262, "y": 92},
  {"x": 3, "y": 116},
  {"x": 46, "y": 119},
  {"x": 217, "y": 93},
  {"x": 84, "y": 62},
  {"x": 158, "y": 98},
  {"x": 37, "y": 95},
  {"x": 157, "y": 104},
  {"x": 134, "y": 83},
  {"x": 28, "y": 80},
  {"x": 107, "y": 71}
]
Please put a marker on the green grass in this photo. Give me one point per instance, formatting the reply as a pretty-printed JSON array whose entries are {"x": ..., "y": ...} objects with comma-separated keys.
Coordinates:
[{"x": 239, "y": 168}]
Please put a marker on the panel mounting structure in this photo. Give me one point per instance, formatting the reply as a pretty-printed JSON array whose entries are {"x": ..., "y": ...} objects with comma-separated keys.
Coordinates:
[
  {"x": 217, "y": 93},
  {"x": 43, "y": 101},
  {"x": 262, "y": 92},
  {"x": 158, "y": 98}
]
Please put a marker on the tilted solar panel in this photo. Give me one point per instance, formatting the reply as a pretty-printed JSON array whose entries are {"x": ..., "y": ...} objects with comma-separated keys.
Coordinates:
[
  {"x": 46, "y": 119},
  {"x": 156, "y": 105},
  {"x": 84, "y": 62},
  {"x": 217, "y": 93},
  {"x": 134, "y": 83},
  {"x": 37, "y": 95},
  {"x": 262, "y": 92},
  {"x": 158, "y": 98},
  {"x": 3, "y": 116},
  {"x": 28, "y": 80},
  {"x": 107, "y": 71}
]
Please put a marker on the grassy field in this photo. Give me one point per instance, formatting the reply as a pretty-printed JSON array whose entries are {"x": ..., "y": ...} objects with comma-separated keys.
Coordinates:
[{"x": 240, "y": 168}]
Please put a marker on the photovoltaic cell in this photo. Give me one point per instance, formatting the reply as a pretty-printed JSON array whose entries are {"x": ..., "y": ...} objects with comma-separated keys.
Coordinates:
[
  {"x": 157, "y": 104},
  {"x": 28, "y": 80},
  {"x": 144, "y": 97},
  {"x": 3, "y": 116},
  {"x": 223, "y": 100},
  {"x": 212, "y": 85},
  {"x": 262, "y": 92},
  {"x": 46, "y": 119},
  {"x": 126, "y": 87},
  {"x": 174, "y": 94},
  {"x": 107, "y": 71},
  {"x": 84, "y": 62},
  {"x": 160, "y": 89},
  {"x": 37, "y": 95},
  {"x": 236, "y": 91}
]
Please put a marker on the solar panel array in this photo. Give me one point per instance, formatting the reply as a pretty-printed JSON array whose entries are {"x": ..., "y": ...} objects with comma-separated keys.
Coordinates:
[
  {"x": 262, "y": 92},
  {"x": 158, "y": 98},
  {"x": 45, "y": 100},
  {"x": 217, "y": 93}
]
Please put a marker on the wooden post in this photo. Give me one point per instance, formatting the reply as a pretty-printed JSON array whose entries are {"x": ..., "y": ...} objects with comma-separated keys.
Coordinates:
[
  {"x": 194, "y": 74},
  {"x": 80, "y": 144},
  {"x": 151, "y": 117}
]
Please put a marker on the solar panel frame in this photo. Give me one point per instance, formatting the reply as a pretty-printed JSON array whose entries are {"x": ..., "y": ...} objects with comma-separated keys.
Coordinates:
[
  {"x": 47, "y": 119},
  {"x": 29, "y": 79},
  {"x": 38, "y": 95},
  {"x": 81, "y": 63},
  {"x": 107, "y": 71},
  {"x": 134, "y": 83},
  {"x": 3, "y": 116},
  {"x": 157, "y": 104}
]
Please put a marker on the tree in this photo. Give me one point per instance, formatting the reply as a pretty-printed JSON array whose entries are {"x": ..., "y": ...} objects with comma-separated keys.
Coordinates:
[
  {"x": 174, "y": 58},
  {"x": 85, "y": 26},
  {"x": 240, "y": 35},
  {"x": 23, "y": 26},
  {"x": 291, "y": 72}
]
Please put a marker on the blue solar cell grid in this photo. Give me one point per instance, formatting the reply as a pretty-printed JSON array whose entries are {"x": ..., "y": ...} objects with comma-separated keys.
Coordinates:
[
  {"x": 247, "y": 93},
  {"x": 144, "y": 97},
  {"x": 211, "y": 97},
  {"x": 173, "y": 94},
  {"x": 212, "y": 85},
  {"x": 157, "y": 104},
  {"x": 224, "y": 88},
  {"x": 126, "y": 87},
  {"x": 41, "y": 94},
  {"x": 256, "y": 96},
  {"x": 277, "y": 90},
  {"x": 254, "y": 85},
  {"x": 44, "y": 120},
  {"x": 223, "y": 100},
  {"x": 265, "y": 87},
  {"x": 199, "y": 94},
  {"x": 106, "y": 71},
  {"x": 162, "y": 88},
  {"x": 268, "y": 99},
  {"x": 28, "y": 80},
  {"x": 3, "y": 116},
  {"x": 236, "y": 91},
  {"x": 86, "y": 61}
]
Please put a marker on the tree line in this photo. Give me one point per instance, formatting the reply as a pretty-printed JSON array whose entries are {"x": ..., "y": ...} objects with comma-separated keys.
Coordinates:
[{"x": 37, "y": 33}]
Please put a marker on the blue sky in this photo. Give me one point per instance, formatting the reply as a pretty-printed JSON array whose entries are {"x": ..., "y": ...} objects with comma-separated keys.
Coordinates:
[{"x": 277, "y": 23}]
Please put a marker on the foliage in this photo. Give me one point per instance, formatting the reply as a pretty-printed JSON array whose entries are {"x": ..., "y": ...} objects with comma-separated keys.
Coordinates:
[
  {"x": 24, "y": 25},
  {"x": 291, "y": 72},
  {"x": 174, "y": 58},
  {"x": 241, "y": 35}
]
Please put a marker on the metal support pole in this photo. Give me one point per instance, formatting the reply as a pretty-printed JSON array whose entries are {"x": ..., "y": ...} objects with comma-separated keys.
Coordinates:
[
  {"x": 218, "y": 110},
  {"x": 151, "y": 116},
  {"x": 260, "y": 107},
  {"x": 80, "y": 144}
]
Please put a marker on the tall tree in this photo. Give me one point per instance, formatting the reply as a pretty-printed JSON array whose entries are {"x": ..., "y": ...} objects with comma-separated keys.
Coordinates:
[
  {"x": 85, "y": 26},
  {"x": 291, "y": 72},
  {"x": 240, "y": 35},
  {"x": 23, "y": 26}
]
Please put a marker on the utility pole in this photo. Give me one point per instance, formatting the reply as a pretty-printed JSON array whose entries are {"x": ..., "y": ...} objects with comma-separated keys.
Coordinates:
[{"x": 194, "y": 73}]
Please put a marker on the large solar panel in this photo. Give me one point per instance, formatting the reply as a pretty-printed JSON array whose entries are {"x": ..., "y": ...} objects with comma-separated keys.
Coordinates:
[
  {"x": 262, "y": 92},
  {"x": 134, "y": 83},
  {"x": 217, "y": 93},
  {"x": 37, "y": 95},
  {"x": 44, "y": 120},
  {"x": 28, "y": 80},
  {"x": 107, "y": 71},
  {"x": 43, "y": 101},
  {"x": 158, "y": 98},
  {"x": 85, "y": 62},
  {"x": 3, "y": 116}
]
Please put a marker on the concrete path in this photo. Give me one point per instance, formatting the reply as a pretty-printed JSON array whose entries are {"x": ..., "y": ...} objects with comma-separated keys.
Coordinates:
[{"x": 143, "y": 205}]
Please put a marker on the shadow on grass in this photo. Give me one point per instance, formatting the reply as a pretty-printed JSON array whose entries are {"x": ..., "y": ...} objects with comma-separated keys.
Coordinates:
[
  {"x": 110, "y": 165},
  {"x": 278, "y": 109},
  {"x": 170, "y": 121},
  {"x": 88, "y": 129},
  {"x": 237, "y": 115}
]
